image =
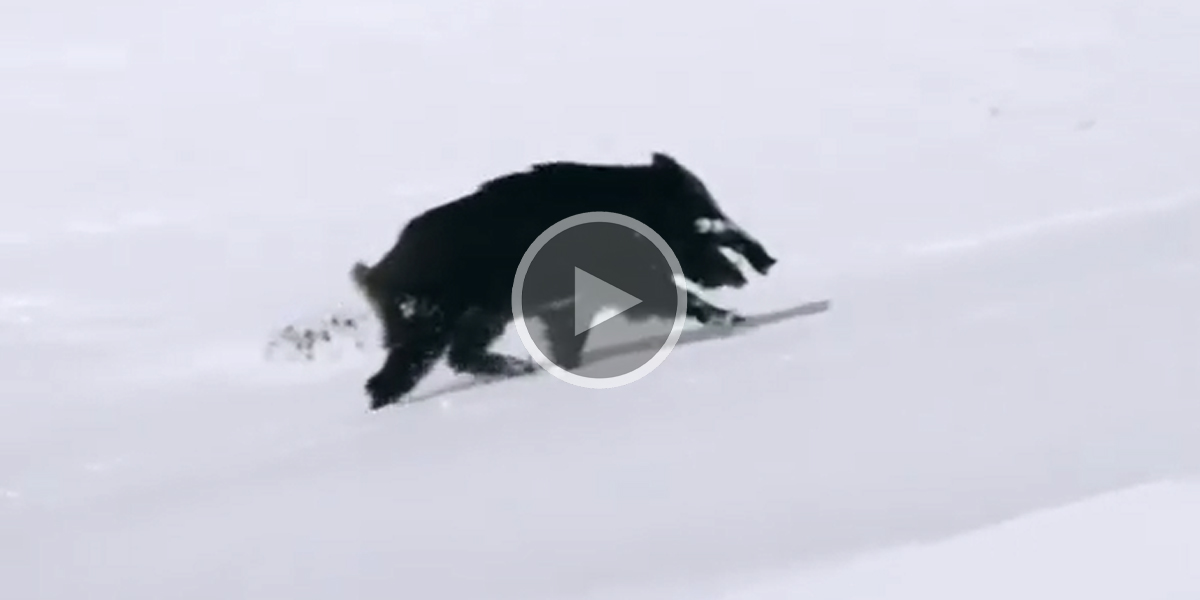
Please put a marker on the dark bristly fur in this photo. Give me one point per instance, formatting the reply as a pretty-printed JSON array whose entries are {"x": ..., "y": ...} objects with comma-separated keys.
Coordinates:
[{"x": 446, "y": 285}]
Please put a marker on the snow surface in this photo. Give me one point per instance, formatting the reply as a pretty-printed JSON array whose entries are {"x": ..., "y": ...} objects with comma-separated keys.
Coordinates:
[{"x": 1001, "y": 200}]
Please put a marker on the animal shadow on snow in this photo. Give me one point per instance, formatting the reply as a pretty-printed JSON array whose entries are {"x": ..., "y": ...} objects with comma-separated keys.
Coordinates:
[{"x": 643, "y": 344}]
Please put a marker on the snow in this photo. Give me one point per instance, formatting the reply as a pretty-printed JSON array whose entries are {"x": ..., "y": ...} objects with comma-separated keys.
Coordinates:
[
  {"x": 1000, "y": 199},
  {"x": 1138, "y": 543}
]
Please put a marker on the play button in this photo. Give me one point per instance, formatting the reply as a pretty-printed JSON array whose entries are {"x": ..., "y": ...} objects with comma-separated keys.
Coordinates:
[
  {"x": 592, "y": 296},
  {"x": 595, "y": 300}
]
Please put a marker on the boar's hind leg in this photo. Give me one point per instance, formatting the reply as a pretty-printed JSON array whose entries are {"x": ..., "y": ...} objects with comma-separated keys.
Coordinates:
[{"x": 473, "y": 333}]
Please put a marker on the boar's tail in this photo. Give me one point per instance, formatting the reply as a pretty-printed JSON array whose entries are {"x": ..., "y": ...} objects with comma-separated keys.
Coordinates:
[{"x": 360, "y": 274}]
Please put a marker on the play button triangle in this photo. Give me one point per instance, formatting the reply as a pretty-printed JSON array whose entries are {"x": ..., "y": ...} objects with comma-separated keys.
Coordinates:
[{"x": 593, "y": 295}]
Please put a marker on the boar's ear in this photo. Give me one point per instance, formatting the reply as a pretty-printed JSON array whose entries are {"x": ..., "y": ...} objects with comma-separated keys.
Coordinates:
[{"x": 661, "y": 160}]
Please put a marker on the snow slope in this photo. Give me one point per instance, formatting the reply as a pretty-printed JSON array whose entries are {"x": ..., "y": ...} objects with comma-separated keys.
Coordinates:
[
  {"x": 1000, "y": 199},
  {"x": 1138, "y": 543}
]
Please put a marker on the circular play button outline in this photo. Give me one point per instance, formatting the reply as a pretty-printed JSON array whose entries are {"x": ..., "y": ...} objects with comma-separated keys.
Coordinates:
[{"x": 677, "y": 323}]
